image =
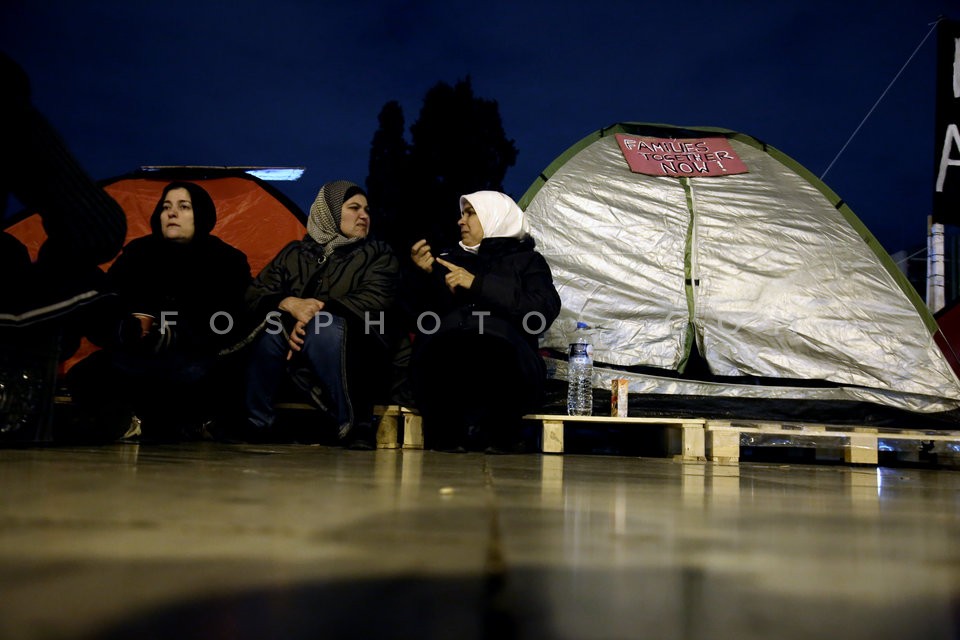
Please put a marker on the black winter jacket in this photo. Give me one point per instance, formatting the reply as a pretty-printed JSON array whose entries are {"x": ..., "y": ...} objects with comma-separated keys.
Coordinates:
[
  {"x": 355, "y": 280},
  {"x": 511, "y": 281},
  {"x": 196, "y": 280}
]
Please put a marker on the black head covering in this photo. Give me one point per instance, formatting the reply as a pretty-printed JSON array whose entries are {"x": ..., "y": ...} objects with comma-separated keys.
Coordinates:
[{"x": 204, "y": 211}]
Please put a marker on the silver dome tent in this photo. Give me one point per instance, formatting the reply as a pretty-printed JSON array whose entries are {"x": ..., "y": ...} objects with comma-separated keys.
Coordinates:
[{"x": 724, "y": 250}]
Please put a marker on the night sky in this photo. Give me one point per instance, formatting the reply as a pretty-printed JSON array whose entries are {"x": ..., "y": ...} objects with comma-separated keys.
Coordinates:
[{"x": 300, "y": 83}]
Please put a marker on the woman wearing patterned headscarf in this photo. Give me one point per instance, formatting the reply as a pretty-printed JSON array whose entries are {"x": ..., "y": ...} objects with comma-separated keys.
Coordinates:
[
  {"x": 322, "y": 302},
  {"x": 178, "y": 294},
  {"x": 480, "y": 370}
]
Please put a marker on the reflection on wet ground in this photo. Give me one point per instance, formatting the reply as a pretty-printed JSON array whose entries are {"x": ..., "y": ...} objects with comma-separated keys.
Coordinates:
[{"x": 242, "y": 541}]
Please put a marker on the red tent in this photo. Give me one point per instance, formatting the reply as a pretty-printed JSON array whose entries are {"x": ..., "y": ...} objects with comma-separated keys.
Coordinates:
[{"x": 948, "y": 337}]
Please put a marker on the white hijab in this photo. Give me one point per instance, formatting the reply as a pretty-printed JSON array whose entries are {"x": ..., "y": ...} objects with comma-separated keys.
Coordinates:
[{"x": 499, "y": 216}]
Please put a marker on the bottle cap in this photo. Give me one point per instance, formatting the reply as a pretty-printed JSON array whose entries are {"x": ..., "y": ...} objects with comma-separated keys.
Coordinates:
[{"x": 582, "y": 325}]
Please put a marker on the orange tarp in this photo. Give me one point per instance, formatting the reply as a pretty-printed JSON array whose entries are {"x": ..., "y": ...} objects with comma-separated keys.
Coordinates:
[{"x": 248, "y": 217}]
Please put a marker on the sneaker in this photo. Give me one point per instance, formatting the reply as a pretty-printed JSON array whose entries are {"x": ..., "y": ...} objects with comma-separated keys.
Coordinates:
[{"x": 133, "y": 432}]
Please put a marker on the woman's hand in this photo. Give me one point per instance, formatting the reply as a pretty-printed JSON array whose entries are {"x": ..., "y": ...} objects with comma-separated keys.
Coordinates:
[
  {"x": 421, "y": 256},
  {"x": 297, "y": 336},
  {"x": 458, "y": 276},
  {"x": 302, "y": 309}
]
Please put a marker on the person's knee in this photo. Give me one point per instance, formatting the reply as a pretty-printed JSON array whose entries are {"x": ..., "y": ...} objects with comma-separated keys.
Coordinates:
[
  {"x": 270, "y": 345},
  {"x": 325, "y": 333}
]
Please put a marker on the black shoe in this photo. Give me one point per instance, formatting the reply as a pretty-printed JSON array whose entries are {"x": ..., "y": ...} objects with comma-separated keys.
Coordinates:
[
  {"x": 154, "y": 429},
  {"x": 362, "y": 437},
  {"x": 452, "y": 433},
  {"x": 517, "y": 447},
  {"x": 477, "y": 438},
  {"x": 454, "y": 438},
  {"x": 244, "y": 433},
  {"x": 449, "y": 448},
  {"x": 450, "y": 441},
  {"x": 508, "y": 438}
]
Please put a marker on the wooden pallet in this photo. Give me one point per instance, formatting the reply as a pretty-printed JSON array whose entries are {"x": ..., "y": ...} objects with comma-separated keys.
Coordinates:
[
  {"x": 860, "y": 444},
  {"x": 688, "y": 439},
  {"x": 392, "y": 417},
  {"x": 686, "y": 435}
]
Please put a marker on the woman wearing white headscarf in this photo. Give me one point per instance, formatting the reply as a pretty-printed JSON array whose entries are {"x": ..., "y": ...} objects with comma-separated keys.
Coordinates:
[
  {"x": 320, "y": 304},
  {"x": 477, "y": 370}
]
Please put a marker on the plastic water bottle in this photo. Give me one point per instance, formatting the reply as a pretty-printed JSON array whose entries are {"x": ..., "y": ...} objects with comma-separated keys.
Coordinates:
[{"x": 580, "y": 373}]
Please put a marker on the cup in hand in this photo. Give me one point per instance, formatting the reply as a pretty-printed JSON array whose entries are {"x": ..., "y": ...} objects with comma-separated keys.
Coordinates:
[{"x": 146, "y": 322}]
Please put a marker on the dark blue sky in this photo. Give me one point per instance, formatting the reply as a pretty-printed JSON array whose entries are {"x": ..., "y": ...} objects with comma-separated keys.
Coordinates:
[{"x": 300, "y": 83}]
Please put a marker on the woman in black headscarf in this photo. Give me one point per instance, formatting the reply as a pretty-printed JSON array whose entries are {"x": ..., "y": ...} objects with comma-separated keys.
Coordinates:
[
  {"x": 179, "y": 295},
  {"x": 323, "y": 302}
]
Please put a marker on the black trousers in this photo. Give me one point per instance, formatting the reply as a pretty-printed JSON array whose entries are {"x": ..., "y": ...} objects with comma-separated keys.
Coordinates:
[{"x": 464, "y": 381}]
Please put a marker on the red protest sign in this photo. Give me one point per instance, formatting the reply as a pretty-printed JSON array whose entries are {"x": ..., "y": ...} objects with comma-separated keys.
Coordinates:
[{"x": 680, "y": 157}]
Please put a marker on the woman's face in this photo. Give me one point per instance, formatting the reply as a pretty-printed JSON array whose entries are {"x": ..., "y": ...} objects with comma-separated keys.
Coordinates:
[
  {"x": 471, "y": 231},
  {"x": 176, "y": 217},
  {"x": 355, "y": 217}
]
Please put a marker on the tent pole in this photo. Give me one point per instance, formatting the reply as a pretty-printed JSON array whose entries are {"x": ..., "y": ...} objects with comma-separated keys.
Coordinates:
[{"x": 935, "y": 266}]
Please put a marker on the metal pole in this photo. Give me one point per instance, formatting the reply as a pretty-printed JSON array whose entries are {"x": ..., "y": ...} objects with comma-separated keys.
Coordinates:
[{"x": 936, "y": 294}]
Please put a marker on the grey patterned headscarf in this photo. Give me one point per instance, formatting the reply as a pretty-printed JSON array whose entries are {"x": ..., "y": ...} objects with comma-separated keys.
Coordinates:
[{"x": 324, "y": 223}]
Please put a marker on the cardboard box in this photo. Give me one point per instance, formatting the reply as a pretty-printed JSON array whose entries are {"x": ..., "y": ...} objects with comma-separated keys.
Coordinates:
[{"x": 619, "y": 400}]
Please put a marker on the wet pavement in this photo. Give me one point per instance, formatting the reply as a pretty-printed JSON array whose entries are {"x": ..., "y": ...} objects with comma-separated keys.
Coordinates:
[{"x": 207, "y": 540}]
